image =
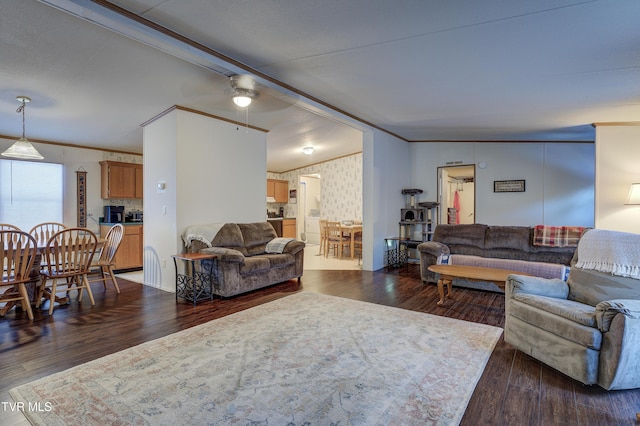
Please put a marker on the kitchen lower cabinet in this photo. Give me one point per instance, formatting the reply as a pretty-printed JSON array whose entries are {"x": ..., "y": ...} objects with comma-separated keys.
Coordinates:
[
  {"x": 289, "y": 228},
  {"x": 129, "y": 254}
]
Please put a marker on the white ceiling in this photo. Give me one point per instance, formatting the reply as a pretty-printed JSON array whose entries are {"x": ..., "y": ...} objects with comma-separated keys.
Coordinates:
[{"x": 423, "y": 70}]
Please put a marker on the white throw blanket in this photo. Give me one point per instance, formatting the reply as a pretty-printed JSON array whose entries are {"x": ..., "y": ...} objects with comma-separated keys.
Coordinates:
[
  {"x": 203, "y": 233},
  {"x": 277, "y": 245},
  {"x": 610, "y": 251}
]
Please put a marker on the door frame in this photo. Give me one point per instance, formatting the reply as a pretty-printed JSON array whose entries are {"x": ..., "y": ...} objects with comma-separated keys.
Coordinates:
[{"x": 443, "y": 172}]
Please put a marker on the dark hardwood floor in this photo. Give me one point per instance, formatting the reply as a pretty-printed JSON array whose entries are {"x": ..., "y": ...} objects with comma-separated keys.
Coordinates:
[{"x": 515, "y": 389}]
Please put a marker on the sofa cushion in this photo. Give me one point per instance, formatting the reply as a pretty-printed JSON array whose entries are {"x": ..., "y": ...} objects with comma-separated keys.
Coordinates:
[
  {"x": 279, "y": 260},
  {"x": 573, "y": 311},
  {"x": 507, "y": 237},
  {"x": 466, "y": 235},
  {"x": 592, "y": 287},
  {"x": 254, "y": 264},
  {"x": 230, "y": 236},
  {"x": 589, "y": 337},
  {"x": 555, "y": 288},
  {"x": 256, "y": 236},
  {"x": 536, "y": 269}
]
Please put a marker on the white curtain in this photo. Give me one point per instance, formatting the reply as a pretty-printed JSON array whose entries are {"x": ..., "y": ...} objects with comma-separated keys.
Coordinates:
[{"x": 30, "y": 193}]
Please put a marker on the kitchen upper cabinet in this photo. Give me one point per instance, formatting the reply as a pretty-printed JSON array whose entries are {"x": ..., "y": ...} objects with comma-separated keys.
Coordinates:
[
  {"x": 138, "y": 190},
  {"x": 121, "y": 180},
  {"x": 278, "y": 189}
]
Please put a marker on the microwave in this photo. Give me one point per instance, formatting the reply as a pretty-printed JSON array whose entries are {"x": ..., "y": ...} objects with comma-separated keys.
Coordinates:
[{"x": 113, "y": 214}]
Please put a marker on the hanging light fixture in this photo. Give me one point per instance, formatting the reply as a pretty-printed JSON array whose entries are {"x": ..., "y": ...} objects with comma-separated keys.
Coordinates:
[
  {"x": 241, "y": 98},
  {"x": 244, "y": 89},
  {"x": 22, "y": 148}
]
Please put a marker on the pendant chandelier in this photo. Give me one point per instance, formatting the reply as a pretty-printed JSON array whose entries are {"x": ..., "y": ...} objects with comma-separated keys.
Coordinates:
[{"x": 22, "y": 148}]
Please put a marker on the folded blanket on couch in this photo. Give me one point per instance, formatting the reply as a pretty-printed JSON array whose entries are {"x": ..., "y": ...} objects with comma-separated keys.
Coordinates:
[
  {"x": 610, "y": 251},
  {"x": 203, "y": 233},
  {"x": 557, "y": 236},
  {"x": 277, "y": 245}
]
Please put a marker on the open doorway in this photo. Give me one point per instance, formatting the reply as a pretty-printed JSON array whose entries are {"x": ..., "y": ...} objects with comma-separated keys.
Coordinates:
[
  {"x": 309, "y": 191},
  {"x": 457, "y": 194}
]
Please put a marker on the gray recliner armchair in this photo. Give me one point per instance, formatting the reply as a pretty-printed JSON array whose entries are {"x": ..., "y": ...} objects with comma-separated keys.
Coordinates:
[{"x": 587, "y": 328}]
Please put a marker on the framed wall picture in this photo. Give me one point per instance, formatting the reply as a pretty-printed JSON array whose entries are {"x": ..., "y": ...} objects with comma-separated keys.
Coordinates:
[
  {"x": 509, "y": 185},
  {"x": 293, "y": 196}
]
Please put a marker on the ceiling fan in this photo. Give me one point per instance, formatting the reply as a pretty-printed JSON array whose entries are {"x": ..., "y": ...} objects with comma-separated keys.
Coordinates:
[{"x": 244, "y": 89}]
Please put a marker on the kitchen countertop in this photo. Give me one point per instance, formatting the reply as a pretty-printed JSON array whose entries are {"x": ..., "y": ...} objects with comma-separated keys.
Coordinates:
[{"x": 123, "y": 223}]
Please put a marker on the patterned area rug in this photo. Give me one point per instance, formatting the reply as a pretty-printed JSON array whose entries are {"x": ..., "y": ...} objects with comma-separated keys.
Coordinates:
[{"x": 306, "y": 358}]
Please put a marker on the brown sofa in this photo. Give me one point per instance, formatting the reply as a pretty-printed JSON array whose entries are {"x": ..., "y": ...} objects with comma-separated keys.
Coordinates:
[
  {"x": 488, "y": 243},
  {"x": 243, "y": 261}
]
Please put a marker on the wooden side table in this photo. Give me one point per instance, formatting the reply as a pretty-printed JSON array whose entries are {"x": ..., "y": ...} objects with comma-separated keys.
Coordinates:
[{"x": 195, "y": 284}]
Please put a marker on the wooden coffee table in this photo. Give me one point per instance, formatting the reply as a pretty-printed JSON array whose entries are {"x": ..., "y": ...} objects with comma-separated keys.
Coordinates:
[{"x": 448, "y": 272}]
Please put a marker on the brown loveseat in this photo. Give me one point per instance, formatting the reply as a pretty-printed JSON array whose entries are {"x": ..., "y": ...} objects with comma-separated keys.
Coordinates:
[{"x": 246, "y": 260}]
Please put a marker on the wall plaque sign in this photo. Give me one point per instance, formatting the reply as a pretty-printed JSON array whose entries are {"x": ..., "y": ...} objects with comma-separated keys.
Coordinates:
[{"x": 508, "y": 185}]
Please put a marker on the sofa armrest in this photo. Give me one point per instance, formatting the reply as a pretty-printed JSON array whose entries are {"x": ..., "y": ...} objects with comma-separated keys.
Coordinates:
[
  {"x": 607, "y": 310},
  {"x": 430, "y": 251},
  {"x": 433, "y": 248},
  {"x": 553, "y": 287},
  {"x": 196, "y": 246},
  {"x": 619, "y": 321},
  {"x": 225, "y": 254},
  {"x": 293, "y": 247}
]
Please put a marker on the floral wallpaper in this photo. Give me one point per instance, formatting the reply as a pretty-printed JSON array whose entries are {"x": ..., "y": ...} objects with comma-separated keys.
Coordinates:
[
  {"x": 340, "y": 187},
  {"x": 129, "y": 204}
]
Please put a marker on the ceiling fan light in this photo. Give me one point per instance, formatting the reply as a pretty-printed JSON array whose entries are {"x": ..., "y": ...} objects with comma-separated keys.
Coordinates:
[
  {"x": 23, "y": 149},
  {"x": 242, "y": 100},
  {"x": 308, "y": 150}
]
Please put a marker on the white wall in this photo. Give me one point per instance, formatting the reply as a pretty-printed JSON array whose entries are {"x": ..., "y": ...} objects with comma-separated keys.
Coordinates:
[
  {"x": 559, "y": 179},
  {"x": 386, "y": 172},
  {"x": 617, "y": 167},
  {"x": 214, "y": 172},
  {"x": 160, "y": 212}
]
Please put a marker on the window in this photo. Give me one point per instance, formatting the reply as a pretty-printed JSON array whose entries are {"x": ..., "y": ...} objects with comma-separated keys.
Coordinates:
[{"x": 30, "y": 193}]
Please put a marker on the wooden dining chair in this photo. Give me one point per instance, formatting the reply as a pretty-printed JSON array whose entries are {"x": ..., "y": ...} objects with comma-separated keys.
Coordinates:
[
  {"x": 68, "y": 255},
  {"x": 18, "y": 251},
  {"x": 357, "y": 242},
  {"x": 105, "y": 262},
  {"x": 43, "y": 231},
  {"x": 336, "y": 239},
  {"x": 323, "y": 236},
  {"x": 8, "y": 227}
]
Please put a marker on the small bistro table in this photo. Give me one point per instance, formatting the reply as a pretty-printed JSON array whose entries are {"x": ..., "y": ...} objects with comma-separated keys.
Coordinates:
[{"x": 192, "y": 284}]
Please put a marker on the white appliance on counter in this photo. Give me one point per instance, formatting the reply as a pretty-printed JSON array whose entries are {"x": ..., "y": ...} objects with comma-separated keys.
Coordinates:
[{"x": 312, "y": 229}]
